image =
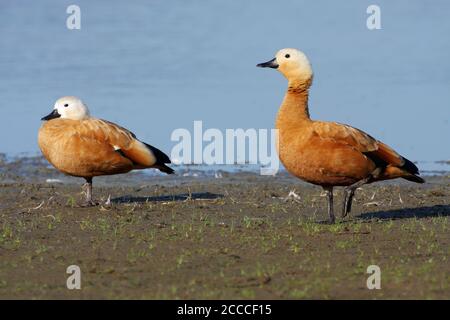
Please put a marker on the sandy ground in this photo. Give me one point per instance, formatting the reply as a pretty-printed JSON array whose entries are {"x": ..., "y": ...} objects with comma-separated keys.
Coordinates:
[{"x": 239, "y": 236}]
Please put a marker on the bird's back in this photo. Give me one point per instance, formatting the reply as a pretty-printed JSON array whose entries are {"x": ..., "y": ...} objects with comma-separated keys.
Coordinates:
[{"x": 77, "y": 148}]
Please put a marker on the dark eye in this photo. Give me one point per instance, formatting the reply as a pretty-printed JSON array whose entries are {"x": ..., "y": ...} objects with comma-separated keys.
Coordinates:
[
  {"x": 66, "y": 105},
  {"x": 287, "y": 55}
]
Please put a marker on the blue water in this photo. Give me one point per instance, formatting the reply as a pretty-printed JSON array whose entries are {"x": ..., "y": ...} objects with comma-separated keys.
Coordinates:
[{"x": 154, "y": 66}]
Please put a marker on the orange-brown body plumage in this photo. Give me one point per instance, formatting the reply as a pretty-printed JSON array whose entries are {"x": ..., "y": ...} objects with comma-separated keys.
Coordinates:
[
  {"x": 328, "y": 154},
  {"x": 89, "y": 147},
  {"x": 79, "y": 145}
]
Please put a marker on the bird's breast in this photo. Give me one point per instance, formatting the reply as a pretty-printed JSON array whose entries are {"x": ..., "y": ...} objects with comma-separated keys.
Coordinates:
[
  {"x": 318, "y": 161},
  {"x": 79, "y": 155}
]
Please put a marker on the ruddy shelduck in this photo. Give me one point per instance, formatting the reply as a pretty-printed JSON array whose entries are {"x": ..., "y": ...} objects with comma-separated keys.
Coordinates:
[
  {"x": 83, "y": 146},
  {"x": 328, "y": 154}
]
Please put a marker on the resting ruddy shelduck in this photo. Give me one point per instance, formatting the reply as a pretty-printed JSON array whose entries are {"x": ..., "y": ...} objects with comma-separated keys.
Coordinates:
[
  {"x": 328, "y": 154},
  {"x": 83, "y": 146}
]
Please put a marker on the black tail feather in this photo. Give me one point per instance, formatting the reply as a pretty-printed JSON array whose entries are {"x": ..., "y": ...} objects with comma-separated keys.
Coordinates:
[
  {"x": 161, "y": 159},
  {"x": 165, "y": 169},
  {"x": 413, "y": 170},
  {"x": 414, "y": 178},
  {"x": 410, "y": 167}
]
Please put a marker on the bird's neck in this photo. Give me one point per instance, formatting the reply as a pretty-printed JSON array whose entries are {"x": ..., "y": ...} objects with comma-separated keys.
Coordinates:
[{"x": 294, "y": 109}]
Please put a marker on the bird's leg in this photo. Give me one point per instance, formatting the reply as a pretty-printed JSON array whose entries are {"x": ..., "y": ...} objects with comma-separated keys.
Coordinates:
[
  {"x": 348, "y": 199},
  {"x": 350, "y": 191},
  {"x": 329, "y": 192},
  {"x": 88, "y": 202}
]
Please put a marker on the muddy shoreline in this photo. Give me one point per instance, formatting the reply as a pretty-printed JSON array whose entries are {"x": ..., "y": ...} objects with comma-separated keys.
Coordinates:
[{"x": 238, "y": 236}]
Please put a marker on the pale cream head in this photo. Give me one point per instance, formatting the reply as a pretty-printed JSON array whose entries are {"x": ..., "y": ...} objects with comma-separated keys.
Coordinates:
[
  {"x": 292, "y": 63},
  {"x": 71, "y": 108}
]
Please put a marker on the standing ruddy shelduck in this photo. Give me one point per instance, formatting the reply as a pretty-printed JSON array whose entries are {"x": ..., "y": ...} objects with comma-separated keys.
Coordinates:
[
  {"x": 328, "y": 154},
  {"x": 82, "y": 146}
]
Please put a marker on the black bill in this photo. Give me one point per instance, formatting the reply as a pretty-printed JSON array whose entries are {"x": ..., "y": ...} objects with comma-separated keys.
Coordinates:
[
  {"x": 54, "y": 114},
  {"x": 269, "y": 64}
]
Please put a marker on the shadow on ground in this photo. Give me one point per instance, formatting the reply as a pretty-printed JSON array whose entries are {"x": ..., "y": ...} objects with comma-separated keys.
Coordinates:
[
  {"x": 176, "y": 197},
  {"x": 421, "y": 212}
]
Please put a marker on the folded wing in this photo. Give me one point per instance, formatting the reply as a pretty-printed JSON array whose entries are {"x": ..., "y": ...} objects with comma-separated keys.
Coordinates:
[
  {"x": 122, "y": 141},
  {"x": 377, "y": 151}
]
